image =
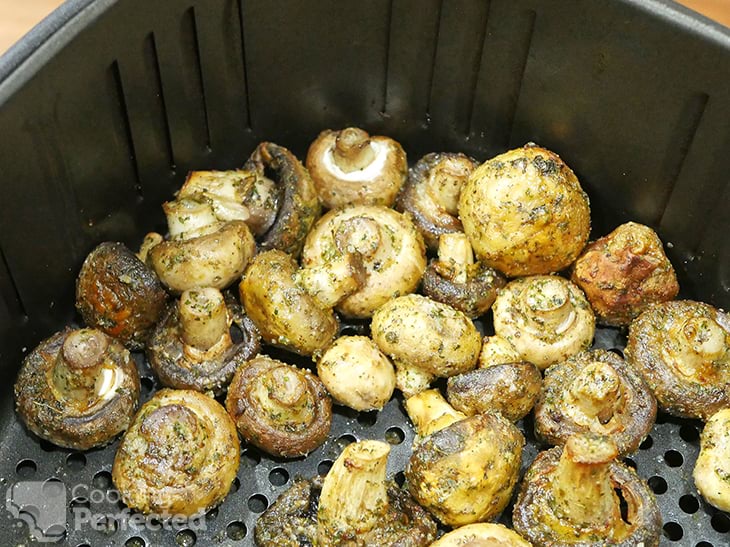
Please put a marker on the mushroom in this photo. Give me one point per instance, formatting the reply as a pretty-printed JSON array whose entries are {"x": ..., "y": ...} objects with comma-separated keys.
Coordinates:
[
  {"x": 391, "y": 250},
  {"x": 456, "y": 280},
  {"x": 595, "y": 391},
  {"x": 284, "y": 312},
  {"x": 496, "y": 351},
  {"x": 573, "y": 495},
  {"x": 680, "y": 348},
  {"x": 482, "y": 534},
  {"x": 192, "y": 347},
  {"x": 179, "y": 456},
  {"x": 466, "y": 471},
  {"x": 623, "y": 272},
  {"x": 430, "y": 412},
  {"x": 712, "y": 468},
  {"x": 356, "y": 373},
  {"x": 78, "y": 389},
  {"x": 510, "y": 389},
  {"x": 350, "y": 167},
  {"x": 545, "y": 317},
  {"x": 431, "y": 194},
  {"x": 284, "y": 410},
  {"x": 425, "y": 339},
  {"x": 525, "y": 212},
  {"x": 353, "y": 505},
  {"x": 119, "y": 295}
]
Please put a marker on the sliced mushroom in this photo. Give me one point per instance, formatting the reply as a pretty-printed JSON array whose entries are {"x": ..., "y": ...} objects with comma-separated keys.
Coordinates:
[
  {"x": 350, "y": 167},
  {"x": 712, "y": 469},
  {"x": 78, "y": 389},
  {"x": 431, "y": 194},
  {"x": 595, "y": 391},
  {"x": 525, "y": 212},
  {"x": 481, "y": 535},
  {"x": 570, "y": 496},
  {"x": 119, "y": 295},
  {"x": 179, "y": 456},
  {"x": 192, "y": 347},
  {"x": 284, "y": 410},
  {"x": 545, "y": 317},
  {"x": 681, "y": 349},
  {"x": 391, "y": 250}
]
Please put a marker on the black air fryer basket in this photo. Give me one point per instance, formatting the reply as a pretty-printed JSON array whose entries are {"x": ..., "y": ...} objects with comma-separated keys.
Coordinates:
[{"x": 107, "y": 105}]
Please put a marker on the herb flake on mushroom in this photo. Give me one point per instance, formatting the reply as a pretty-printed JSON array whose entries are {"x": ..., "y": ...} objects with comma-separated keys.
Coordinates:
[{"x": 712, "y": 468}]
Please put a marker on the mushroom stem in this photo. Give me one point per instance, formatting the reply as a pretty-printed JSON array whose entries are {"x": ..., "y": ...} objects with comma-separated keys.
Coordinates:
[
  {"x": 547, "y": 305},
  {"x": 204, "y": 319},
  {"x": 151, "y": 240},
  {"x": 354, "y": 494},
  {"x": 359, "y": 235},
  {"x": 497, "y": 350},
  {"x": 430, "y": 412},
  {"x": 283, "y": 397},
  {"x": 446, "y": 180},
  {"x": 702, "y": 341},
  {"x": 455, "y": 256},
  {"x": 410, "y": 379},
  {"x": 331, "y": 282},
  {"x": 187, "y": 218},
  {"x": 352, "y": 151},
  {"x": 596, "y": 391}
]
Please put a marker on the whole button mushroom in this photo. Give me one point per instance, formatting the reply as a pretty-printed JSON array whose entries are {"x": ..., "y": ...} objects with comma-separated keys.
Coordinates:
[
  {"x": 391, "y": 250},
  {"x": 192, "y": 347},
  {"x": 350, "y": 167},
  {"x": 78, "y": 389},
  {"x": 525, "y": 213},
  {"x": 623, "y": 272},
  {"x": 431, "y": 194},
  {"x": 481, "y": 534},
  {"x": 712, "y": 468},
  {"x": 545, "y": 317},
  {"x": 680, "y": 348}
]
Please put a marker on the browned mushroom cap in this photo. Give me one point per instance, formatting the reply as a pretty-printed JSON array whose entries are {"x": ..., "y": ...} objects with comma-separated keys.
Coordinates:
[
  {"x": 118, "y": 294},
  {"x": 431, "y": 193},
  {"x": 349, "y": 167},
  {"x": 510, "y": 389},
  {"x": 78, "y": 389},
  {"x": 595, "y": 391},
  {"x": 299, "y": 206},
  {"x": 196, "y": 347},
  {"x": 623, "y": 272},
  {"x": 680, "y": 348},
  {"x": 284, "y": 410},
  {"x": 569, "y": 497}
]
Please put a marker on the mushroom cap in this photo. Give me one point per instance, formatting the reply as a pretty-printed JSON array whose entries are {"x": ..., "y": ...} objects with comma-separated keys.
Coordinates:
[
  {"x": 481, "y": 534},
  {"x": 713, "y": 463}
]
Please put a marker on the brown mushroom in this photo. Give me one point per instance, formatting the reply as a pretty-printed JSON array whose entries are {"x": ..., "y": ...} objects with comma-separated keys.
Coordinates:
[
  {"x": 284, "y": 410},
  {"x": 350, "y": 167},
  {"x": 119, "y": 295},
  {"x": 78, "y": 389}
]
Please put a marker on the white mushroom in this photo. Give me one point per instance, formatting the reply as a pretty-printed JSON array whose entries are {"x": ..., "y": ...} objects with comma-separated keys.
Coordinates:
[{"x": 712, "y": 470}]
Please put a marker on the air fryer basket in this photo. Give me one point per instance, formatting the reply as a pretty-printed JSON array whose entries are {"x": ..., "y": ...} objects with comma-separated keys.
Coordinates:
[{"x": 107, "y": 105}]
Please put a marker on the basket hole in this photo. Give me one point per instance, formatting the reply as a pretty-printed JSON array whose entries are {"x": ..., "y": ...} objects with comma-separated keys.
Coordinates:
[
  {"x": 368, "y": 419},
  {"x": 657, "y": 484},
  {"x": 106, "y": 524},
  {"x": 102, "y": 480},
  {"x": 617, "y": 351},
  {"x": 135, "y": 542},
  {"x": 186, "y": 538},
  {"x": 345, "y": 440},
  {"x": 236, "y": 530},
  {"x": 84, "y": 545},
  {"x": 689, "y": 504},
  {"x": 80, "y": 502},
  {"x": 689, "y": 433},
  {"x": 704, "y": 544},
  {"x": 76, "y": 461},
  {"x": 53, "y": 489},
  {"x": 400, "y": 478},
  {"x": 258, "y": 503},
  {"x": 148, "y": 384},
  {"x": 235, "y": 485},
  {"x": 394, "y": 435},
  {"x": 279, "y": 476},
  {"x": 26, "y": 468},
  {"x": 324, "y": 467},
  {"x": 647, "y": 443},
  {"x": 251, "y": 457},
  {"x": 212, "y": 514},
  {"x": 673, "y": 458},
  {"x": 630, "y": 463},
  {"x": 720, "y": 523},
  {"x": 673, "y": 531}
]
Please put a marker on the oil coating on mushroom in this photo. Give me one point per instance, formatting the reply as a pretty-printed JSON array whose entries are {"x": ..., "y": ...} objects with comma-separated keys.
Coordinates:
[
  {"x": 392, "y": 253},
  {"x": 78, "y": 389},
  {"x": 119, "y": 295},
  {"x": 430, "y": 412},
  {"x": 179, "y": 456},
  {"x": 497, "y": 351},
  {"x": 680, "y": 348},
  {"x": 545, "y": 317},
  {"x": 352, "y": 505},
  {"x": 482, "y": 534},
  {"x": 623, "y": 272},
  {"x": 570, "y": 496},
  {"x": 456, "y": 280},
  {"x": 350, "y": 167},
  {"x": 192, "y": 347},
  {"x": 595, "y": 391},
  {"x": 712, "y": 469},
  {"x": 431, "y": 194},
  {"x": 425, "y": 339},
  {"x": 525, "y": 212},
  {"x": 284, "y": 410}
]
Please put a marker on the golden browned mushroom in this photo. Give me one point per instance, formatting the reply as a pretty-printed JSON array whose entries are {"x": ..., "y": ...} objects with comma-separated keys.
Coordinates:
[
  {"x": 482, "y": 534},
  {"x": 570, "y": 496},
  {"x": 545, "y": 317},
  {"x": 391, "y": 250},
  {"x": 525, "y": 212},
  {"x": 179, "y": 456},
  {"x": 430, "y": 412},
  {"x": 456, "y": 280},
  {"x": 119, "y": 295},
  {"x": 425, "y": 339},
  {"x": 623, "y": 272},
  {"x": 350, "y": 167},
  {"x": 192, "y": 347},
  {"x": 595, "y": 391},
  {"x": 284, "y": 410},
  {"x": 78, "y": 389},
  {"x": 680, "y": 348},
  {"x": 712, "y": 468},
  {"x": 496, "y": 351},
  {"x": 431, "y": 194}
]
